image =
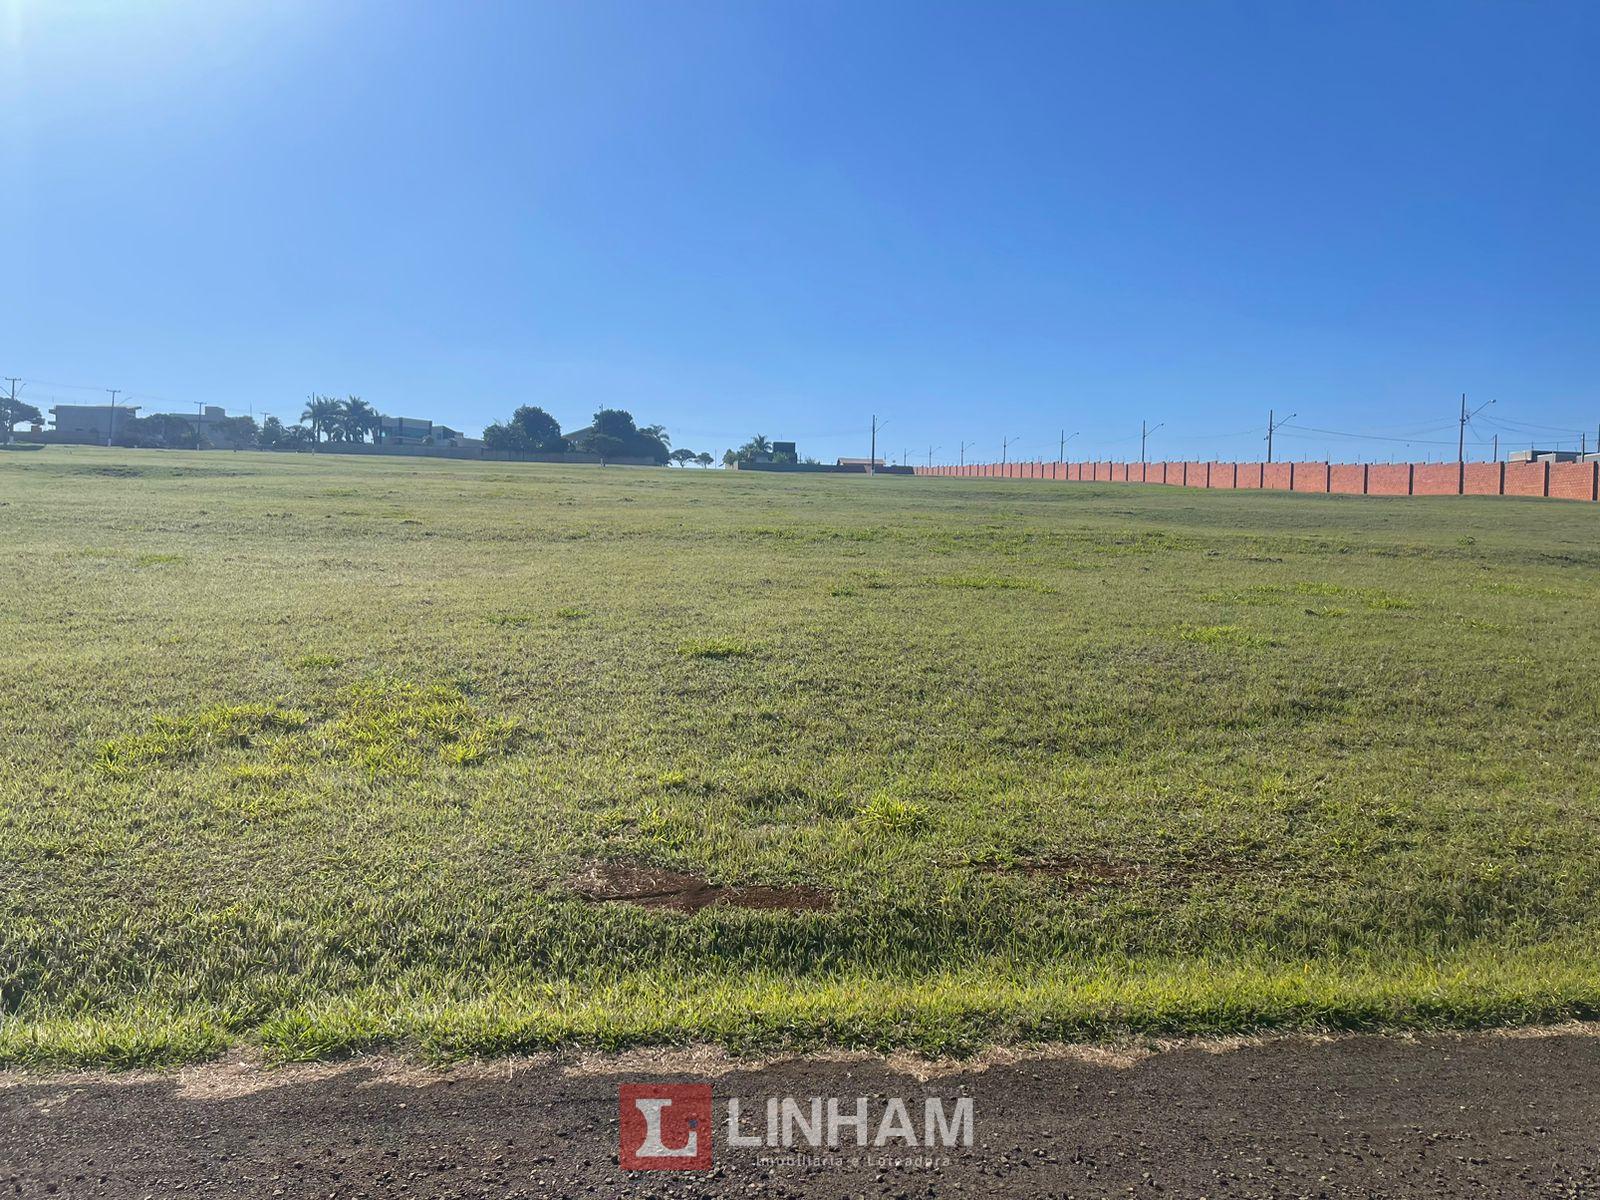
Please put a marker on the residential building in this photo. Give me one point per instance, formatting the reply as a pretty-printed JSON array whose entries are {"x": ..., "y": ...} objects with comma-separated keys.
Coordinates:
[{"x": 96, "y": 424}]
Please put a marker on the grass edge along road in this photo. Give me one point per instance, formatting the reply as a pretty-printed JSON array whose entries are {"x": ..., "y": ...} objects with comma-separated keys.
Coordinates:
[{"x": 322, "y": 755}]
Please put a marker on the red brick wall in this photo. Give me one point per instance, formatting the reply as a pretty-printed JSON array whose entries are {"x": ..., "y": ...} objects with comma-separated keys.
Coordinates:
[
  {"x": 1435, "y": 479},
  {"x": 1483, "y": 479},
  {"x": 1573, "y": 481},
  {"x": 1349, "y": 479},
  {"x": 1277, "y": 475},
  {"x": 1310, "y": 477},
  {"x": 1526, "y": 479},
  {"x": 1568, "y": 481},
  {"x": 1389, "y": 479}
]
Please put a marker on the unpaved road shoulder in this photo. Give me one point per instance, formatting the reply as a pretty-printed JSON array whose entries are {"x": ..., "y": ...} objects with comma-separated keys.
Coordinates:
[{"x": 1441, "y": 1116}]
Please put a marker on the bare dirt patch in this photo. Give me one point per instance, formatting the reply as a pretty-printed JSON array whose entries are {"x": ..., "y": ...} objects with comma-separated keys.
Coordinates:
[{"x": 657, "y": 887}]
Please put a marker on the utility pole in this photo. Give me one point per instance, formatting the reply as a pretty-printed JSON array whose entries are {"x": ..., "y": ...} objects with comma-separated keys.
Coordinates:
[
  {"x": 931, "y": 449},
  {"x": 965, "y": 446},
  {"x": 1461, "y": 442},
  {"x": 1004, "y": 443},
  {"x": 1497, "y": 447},
  {"x": 111, "y": 424},
  {"x": 1461, "y": 437},
  {"x": 13, "y": 381},
  {"x": 1066, "y": 437},
  {"x": 1144, "y": 435},
  {"x": 872, "y": 458},
  {"x": 1273, "y": 425}
]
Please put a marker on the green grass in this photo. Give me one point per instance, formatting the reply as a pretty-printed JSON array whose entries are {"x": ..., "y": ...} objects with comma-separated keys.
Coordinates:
[{"x": 305, "y": 752}]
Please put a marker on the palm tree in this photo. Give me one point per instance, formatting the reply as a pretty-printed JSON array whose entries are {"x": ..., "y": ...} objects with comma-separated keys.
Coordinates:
[
  {"x": 357, "y": 418},
  {"x": 322, "y": 414},
  {"x": 760, "y": 445},
  {"x": 659, "y": 432}
]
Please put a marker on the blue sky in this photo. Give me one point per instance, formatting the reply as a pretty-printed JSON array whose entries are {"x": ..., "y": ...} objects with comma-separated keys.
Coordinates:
[{"x": 976, "y": 220}]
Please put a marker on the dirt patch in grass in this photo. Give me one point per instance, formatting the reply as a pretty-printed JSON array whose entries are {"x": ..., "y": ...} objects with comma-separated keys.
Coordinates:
[{"x": 657, "y": 887}]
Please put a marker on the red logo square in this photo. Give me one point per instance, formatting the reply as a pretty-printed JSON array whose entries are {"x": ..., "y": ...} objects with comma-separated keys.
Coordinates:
[{"x": 664, "y": 1126}]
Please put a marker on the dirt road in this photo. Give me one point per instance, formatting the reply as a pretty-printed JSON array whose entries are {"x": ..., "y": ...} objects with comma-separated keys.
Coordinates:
[{"x": 1442, "y": 1116}]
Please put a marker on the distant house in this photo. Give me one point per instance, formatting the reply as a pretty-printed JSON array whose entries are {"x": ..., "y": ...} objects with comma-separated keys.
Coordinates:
[
  {"x": 405, "y": 431},
  {"x": 1555, "y": 456},
  {"x": 211, "y": 427},
  {"x": 92, "y": 423}
]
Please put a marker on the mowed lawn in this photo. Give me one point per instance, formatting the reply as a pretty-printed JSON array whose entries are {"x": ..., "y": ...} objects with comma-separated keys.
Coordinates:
[{"x": 321, "y": 753}]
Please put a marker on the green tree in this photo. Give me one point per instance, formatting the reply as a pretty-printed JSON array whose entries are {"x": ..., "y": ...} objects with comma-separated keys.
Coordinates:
[
  {"x": 704, "y": 459},
  {"x": 271, "y": 435},
  {"x": 542, "y": 431},
  {"x": 627, "y": 439},
  {"x": 162, "y": 431},
  {"x": 15, "y": 412},
  {"x": 356, "y": 419},
  {"x": 607, "y": 446},
  {"x": 615, "y": 422},
  {"x": 322, "y": 414},
  {"x": 235, "y": 433},
  {"x": 530, "y": 430},
  {"x": 682, "y": 457}
]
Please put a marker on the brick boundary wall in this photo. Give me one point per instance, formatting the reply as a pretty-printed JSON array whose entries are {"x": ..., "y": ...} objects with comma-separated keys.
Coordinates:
[
  {"x": 1347, "y": 479},
  {"x": 1277, "y": 477},
  {"x": 1309, "y": 477},
  {"x": 1436, "y": 479},
  {"x": 1558, "y": 481}
]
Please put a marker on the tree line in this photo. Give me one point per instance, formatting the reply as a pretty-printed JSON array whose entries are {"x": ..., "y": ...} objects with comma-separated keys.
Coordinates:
[
  {"x": 611, "y": 434},
  {"x": 759, "y": 449}
]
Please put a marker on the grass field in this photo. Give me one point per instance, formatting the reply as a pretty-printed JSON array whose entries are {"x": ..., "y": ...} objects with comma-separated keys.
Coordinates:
[{"x": 315, "y": 753}]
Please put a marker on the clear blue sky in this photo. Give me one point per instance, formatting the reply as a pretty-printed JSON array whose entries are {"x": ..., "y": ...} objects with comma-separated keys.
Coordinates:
[{"x": 976, "y": 220}]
